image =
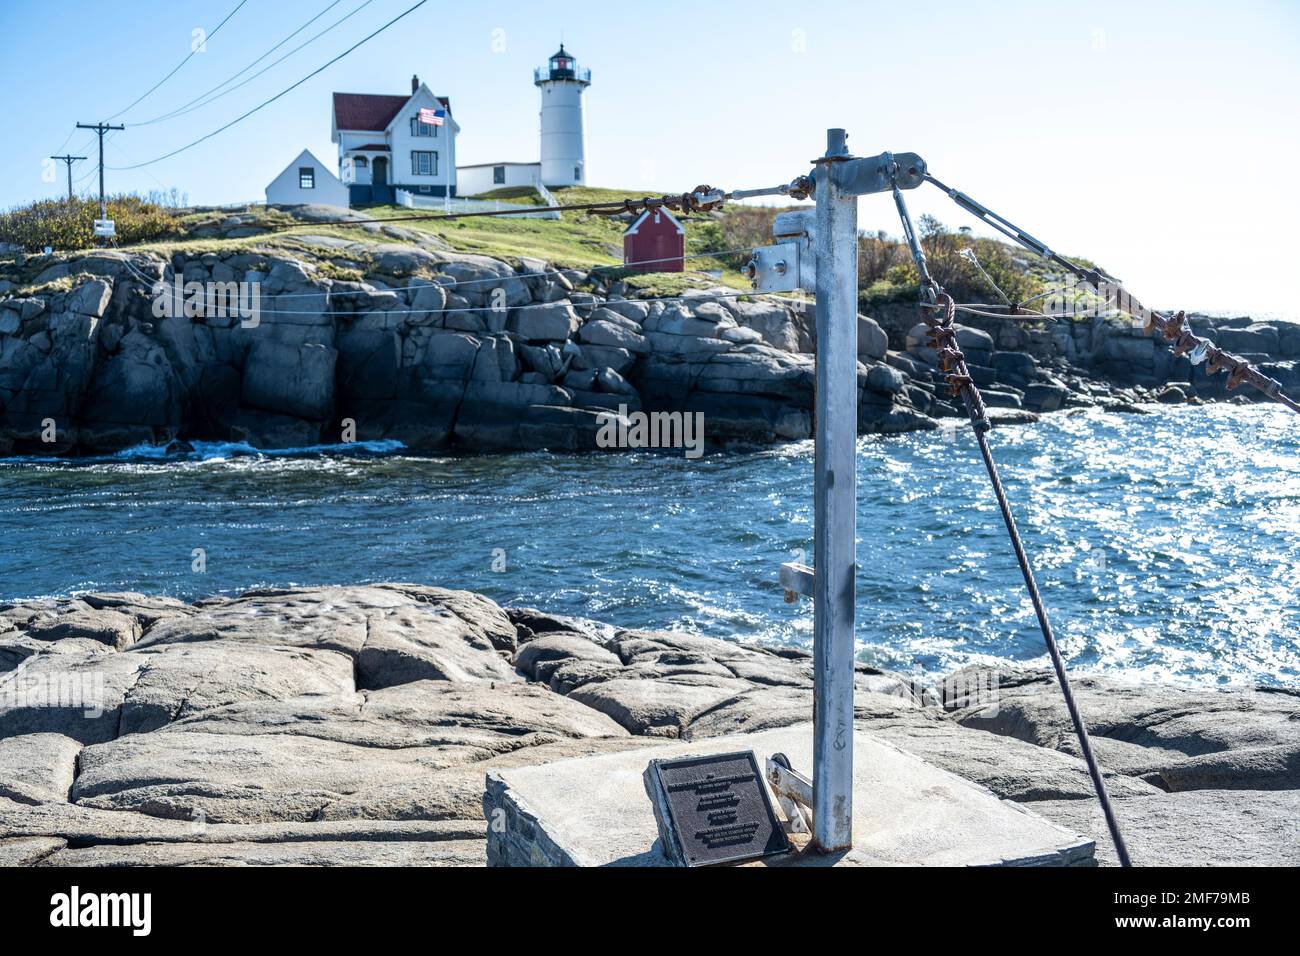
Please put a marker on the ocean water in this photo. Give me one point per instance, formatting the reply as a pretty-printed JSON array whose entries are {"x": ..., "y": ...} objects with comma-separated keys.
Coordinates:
[{"x": 1167, "y": 544}]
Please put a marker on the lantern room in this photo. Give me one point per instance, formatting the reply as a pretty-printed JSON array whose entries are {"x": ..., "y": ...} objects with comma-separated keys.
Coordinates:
[{"x": 562, "y": 67}]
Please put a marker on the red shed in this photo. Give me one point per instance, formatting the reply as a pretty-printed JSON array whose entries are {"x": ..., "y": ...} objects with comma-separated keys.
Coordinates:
[{"x": 655, "y": 242}]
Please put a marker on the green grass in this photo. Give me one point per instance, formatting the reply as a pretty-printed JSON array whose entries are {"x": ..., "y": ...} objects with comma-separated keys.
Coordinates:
[
  {"x": 577, "y": 240},
  {"x": 583, "y": 240},
  {"x": 523, "y": 195}
]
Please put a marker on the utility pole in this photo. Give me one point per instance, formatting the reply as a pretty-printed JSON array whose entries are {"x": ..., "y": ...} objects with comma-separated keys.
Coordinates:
[
  {"x": 101, "y": 129},
  {"x": 68, "y": 161}
]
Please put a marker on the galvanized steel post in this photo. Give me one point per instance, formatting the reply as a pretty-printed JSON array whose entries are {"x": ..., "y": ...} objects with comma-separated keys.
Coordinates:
[{"x": 835, "y": 501}]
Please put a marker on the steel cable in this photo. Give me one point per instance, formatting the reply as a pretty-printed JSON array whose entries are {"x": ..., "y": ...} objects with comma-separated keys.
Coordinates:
[
  {"x": 1173, "y": 328},
  {"x": 1058, "y": 664},
  {"x": 943, "y": 336}
]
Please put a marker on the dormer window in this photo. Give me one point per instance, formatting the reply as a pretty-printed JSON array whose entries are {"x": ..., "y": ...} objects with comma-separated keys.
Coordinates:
[{"x": 422, "y": 129}]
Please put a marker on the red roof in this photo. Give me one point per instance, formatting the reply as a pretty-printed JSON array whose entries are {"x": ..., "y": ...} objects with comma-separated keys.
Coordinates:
[{"x": 370, "y": 111}]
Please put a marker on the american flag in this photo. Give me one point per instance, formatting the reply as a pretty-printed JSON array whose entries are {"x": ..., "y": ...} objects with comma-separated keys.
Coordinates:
[{"x": 432, "y": 117}]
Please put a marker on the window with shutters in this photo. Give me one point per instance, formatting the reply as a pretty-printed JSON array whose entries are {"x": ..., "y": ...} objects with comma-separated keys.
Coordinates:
[
  {"x": 424, "y": 163},
  {"x": 422, "y": 129}
]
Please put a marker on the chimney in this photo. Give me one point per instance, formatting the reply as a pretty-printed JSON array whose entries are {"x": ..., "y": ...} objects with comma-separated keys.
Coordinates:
[{"x": 415, "y": 84}]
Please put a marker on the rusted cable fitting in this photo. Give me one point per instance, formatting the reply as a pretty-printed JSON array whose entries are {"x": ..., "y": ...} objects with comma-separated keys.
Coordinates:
[
  {"x": 1175, "y": 328},
  {"x": 1186, "y": 342},
  {"x": 1172, "y": 328},
  {"x": 801, "y": 188},
  {"x": 952, "y": 361},
  {"x": 701, "y": 199}
]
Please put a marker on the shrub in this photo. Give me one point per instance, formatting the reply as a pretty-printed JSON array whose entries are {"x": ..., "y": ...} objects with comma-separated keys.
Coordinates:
[
  {"x": 878, "y": 257},
  {"x": 69, "y": 223},
  {"x": 745, "y": 228}
]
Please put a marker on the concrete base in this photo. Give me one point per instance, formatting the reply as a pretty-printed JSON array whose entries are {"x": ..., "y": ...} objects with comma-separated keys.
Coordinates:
[{"x": 593, "y": 811}]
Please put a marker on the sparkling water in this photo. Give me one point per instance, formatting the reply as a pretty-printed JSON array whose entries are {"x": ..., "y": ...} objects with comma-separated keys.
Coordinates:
[{"x": 1167, "y": 545}]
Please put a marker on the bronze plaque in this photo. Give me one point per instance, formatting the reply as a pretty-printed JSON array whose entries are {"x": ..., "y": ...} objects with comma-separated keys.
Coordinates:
[{"x": 717, "y": 809}]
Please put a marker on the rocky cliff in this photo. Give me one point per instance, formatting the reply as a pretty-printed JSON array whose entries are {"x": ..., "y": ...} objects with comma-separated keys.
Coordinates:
[
  {"x": 356, "y": 725},
  {"x": 358, "y": 339},
  {"x": 432, "y": 348}
]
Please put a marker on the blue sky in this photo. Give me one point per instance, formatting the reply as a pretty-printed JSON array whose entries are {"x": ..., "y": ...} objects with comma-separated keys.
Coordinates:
[{"x": 1158, "y": 138}]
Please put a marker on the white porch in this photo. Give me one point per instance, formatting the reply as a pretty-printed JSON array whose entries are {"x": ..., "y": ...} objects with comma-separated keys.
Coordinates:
[{"x": 358, "y": 167}]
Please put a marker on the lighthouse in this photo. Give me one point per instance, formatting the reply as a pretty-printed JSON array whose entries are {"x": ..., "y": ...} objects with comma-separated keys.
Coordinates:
[{"x": 562, "y": 83}]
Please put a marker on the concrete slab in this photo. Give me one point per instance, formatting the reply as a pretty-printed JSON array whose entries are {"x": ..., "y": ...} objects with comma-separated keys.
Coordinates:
[{"x": 594, "y": 811}]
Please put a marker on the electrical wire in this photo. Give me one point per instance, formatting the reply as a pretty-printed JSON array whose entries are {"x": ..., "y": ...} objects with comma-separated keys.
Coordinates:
[
  {"x": 193, "y": 50},
  {"x": 208, "y": 98},
  {"x": 268, "y": 102}
]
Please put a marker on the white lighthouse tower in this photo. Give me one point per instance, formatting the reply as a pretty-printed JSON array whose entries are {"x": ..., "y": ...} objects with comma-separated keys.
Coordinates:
[{"x": 562, "y": 83}]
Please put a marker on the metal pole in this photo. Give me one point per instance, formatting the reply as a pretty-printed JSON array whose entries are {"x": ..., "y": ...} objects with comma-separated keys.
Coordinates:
[{"x": 835, "y": 502}]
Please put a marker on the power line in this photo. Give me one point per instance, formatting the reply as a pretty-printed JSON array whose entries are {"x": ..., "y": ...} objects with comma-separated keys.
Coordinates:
[
  {"x": 288, "y": 89},
  {"x": 193, "y": 50},
  {"x": 113, "y": 143},
  {"x": 186, "y": 107}
]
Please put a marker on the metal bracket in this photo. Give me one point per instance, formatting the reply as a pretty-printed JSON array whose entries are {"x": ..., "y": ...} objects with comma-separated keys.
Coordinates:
[
  {"x": 775, "y": 268},
  {"x": 795, "y": 224},
  {"x": 791, "y": 263},
  {"x": 794, "y": 793},
  {"x": 873, "y": 174},
  {"x": 796, "y": 579}
]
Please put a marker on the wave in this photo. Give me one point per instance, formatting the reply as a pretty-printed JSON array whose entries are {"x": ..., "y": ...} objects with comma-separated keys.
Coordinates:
[{"x": 216, "y": 451}]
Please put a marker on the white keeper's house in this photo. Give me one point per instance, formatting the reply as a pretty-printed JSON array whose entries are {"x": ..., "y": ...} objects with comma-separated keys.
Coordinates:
[
  {"x": 407, "y": 143},
  {"x": 385, "y": 146}
]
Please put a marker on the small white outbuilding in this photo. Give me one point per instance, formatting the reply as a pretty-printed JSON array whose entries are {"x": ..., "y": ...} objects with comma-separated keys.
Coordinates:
[{"x": 306, "y": 180}]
